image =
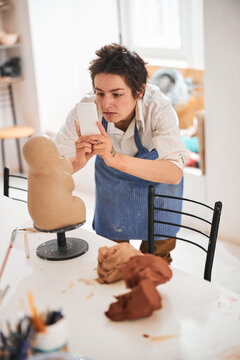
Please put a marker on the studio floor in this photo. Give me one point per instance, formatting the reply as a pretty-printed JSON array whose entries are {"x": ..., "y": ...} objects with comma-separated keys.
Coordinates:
[{"x": 226, "y": 267}]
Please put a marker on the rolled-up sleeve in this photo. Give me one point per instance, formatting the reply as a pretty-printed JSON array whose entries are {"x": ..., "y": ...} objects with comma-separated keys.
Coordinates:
[
  {"x": 66, "y": 136},
  {"x": 166, "y": 135}
]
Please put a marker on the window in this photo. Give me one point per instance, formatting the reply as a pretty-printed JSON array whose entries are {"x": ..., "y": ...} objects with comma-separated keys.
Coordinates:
[
  {"x": 163, "y": 24},
  {"x": 166, "y": 30}
]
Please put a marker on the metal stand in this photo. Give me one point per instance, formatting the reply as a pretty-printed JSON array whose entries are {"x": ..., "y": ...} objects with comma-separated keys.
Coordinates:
[{"x": 62, "y": 248}]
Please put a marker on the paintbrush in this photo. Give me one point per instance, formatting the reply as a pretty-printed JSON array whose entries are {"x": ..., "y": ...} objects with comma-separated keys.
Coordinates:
[
  {"x": 31, "y": 229},
  {"x": 26, "y": 246},
  {"x": 3, "y": 293},
  {"x": 37, "y": 320},
  {"x": 8, "y": 251}
]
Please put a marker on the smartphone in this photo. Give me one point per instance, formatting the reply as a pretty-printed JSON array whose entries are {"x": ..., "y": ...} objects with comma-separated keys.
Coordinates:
[{"x": 87, "y": 117}]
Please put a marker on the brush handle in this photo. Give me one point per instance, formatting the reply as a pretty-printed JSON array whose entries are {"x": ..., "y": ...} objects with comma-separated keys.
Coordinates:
[{"x": 5, "y": 260}]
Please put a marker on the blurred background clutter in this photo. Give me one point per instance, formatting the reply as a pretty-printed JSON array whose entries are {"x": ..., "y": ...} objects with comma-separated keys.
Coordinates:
[
  {"x": 185, "y": 89},
  {"x": 190, "y": 55}
]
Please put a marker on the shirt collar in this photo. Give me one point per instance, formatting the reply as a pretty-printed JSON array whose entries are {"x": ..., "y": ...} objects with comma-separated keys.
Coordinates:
[{"x": 139, "y": 115}]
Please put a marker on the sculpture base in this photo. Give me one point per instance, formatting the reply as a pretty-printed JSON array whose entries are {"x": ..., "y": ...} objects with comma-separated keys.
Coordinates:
[
  {"x": 62, "y": 248},
  {"x": 50, "y": 251}
]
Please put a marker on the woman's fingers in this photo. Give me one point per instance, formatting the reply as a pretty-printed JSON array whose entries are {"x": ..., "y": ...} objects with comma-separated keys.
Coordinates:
[
  {"x": 82, "y": 144},
  {"x": 91, "y": 145},
  {"x": 88, "y": 151},
  {"x": 89, "y": 155},
  {"x": 95, "y": 139},
  {"x": 100, "y": 152},
  {"x": 99, "y": 146},
  {"x": 101, "y": 128}
]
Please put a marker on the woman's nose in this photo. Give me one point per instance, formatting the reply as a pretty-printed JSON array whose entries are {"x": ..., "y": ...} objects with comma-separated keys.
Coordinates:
[{"x": 106, "y": 102}]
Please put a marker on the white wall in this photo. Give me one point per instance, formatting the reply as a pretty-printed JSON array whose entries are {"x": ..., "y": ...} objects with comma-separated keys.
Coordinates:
[
  {"x": 65, "y": 35},
  {"x": 58, "y": 39},
  {"x": 222, "y": 78},
  {"x": 196, "y": 55}
]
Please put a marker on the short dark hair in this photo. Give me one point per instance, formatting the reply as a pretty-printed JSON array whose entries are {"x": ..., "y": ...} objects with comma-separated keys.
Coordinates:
[{"x": 117, "y": 59}]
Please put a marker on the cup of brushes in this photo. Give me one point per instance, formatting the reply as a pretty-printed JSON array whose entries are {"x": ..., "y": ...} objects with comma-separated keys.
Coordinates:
[{"x": 50, "y": 330}]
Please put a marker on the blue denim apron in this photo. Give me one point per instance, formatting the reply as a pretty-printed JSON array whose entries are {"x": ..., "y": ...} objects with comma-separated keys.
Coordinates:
[{"x": 121, "y": 209}]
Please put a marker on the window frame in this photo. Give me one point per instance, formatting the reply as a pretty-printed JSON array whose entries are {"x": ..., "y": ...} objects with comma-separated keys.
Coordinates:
[{"x": 189, "y": 54}]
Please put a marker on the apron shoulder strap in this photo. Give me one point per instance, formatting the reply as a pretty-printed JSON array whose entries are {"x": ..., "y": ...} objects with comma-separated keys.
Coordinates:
[
  {"x": 105, "y": 124},
  {"x": 141, "y": 148}
]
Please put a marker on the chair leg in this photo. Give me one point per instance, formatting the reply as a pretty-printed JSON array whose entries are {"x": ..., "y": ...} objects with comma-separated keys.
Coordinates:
[
  {"x": 3, "y": 154},
  {"x": 6, "y": 182},
  {"x": 10, "y": 92},
  {"x": 19, "y": 156},
  {"x": 150, "y": 246}
]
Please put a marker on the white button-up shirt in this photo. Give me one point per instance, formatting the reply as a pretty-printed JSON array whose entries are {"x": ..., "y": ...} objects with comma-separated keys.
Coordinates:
[{"x": 157, "y": 123}]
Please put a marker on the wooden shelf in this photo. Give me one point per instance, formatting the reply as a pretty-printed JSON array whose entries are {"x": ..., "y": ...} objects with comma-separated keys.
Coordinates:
[
  {"x": 5, "y": 7},
  {"x": 6, "y": 80},
  {"x": 6, "y": 47},
  {"x": 16, "y": 132}
]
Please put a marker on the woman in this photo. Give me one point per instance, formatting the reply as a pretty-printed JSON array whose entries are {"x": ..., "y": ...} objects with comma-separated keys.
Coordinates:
[{"x": 139, "y": 144}]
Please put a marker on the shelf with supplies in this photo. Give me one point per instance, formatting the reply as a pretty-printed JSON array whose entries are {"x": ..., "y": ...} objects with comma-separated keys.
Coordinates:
[
  {"x": 14, "y": 131},
  {"x": 190, "y": 108},
  {"x": 7, "y": 80},
  {"x": 10, "y": 75},
  {"x": 4, "y": 7},
  {"x": 8, "y": 47}
]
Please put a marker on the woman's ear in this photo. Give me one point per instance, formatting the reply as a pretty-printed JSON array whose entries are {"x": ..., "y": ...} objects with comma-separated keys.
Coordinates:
[{"x": 141, "y": 93}]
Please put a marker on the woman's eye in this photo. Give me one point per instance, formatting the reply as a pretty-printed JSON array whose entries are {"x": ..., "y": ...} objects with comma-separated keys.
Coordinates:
[
  {"x": 117, "y": 95},
  {"x": 100, "y": 94}
]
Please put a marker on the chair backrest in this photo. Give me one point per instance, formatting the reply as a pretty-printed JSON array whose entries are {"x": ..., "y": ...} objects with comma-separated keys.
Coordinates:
[
  {"x": 154, "y": 209},
  {"x": 18, "y": 192}
]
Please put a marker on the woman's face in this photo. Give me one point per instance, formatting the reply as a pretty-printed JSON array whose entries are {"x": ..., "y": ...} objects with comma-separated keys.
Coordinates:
[{"x": 114, "y": 98}]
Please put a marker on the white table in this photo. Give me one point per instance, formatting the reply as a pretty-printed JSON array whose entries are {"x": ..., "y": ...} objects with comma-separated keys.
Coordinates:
[{"x": 197, "y": 321}]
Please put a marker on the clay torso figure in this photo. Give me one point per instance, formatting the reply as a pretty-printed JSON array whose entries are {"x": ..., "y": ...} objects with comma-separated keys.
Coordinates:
[{"x": 50, "y": 201}]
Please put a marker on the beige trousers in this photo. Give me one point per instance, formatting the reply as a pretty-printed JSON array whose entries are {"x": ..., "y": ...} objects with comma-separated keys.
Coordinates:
[{"x": 162, "y": 248}]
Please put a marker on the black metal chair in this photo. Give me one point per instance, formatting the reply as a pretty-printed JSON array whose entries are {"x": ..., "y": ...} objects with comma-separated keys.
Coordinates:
[
  {"x": 18, "y": 192},
  {"x": 154, "y": 209},
  {"x": 61, "y": 248}
]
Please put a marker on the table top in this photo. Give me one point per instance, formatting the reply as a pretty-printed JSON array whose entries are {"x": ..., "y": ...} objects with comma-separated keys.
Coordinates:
[{"x": 197, "y": 321}]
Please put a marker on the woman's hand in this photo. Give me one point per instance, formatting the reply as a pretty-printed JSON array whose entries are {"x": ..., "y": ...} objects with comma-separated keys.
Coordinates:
[
  {"x": 84, "y": 150},
  {"x": 102, "y": 146},
  {"x": 162, "y": 171}
]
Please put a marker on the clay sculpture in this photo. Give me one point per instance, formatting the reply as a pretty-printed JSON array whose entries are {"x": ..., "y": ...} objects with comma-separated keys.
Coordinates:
[{"x": 51, "y": 204}]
